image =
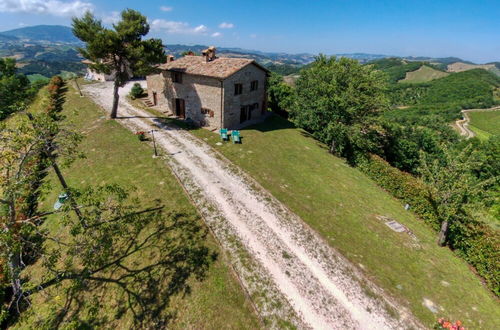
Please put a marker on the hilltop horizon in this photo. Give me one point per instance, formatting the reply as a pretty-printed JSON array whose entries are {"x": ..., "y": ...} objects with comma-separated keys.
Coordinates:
[{"x": 62, "y": 33}]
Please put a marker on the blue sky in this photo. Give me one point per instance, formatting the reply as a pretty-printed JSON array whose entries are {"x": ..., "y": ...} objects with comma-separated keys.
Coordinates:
[{"x": 463, "y": 28}]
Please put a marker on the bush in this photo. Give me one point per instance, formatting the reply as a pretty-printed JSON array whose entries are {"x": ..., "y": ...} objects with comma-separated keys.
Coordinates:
[
  {"x": 475, "y": 242},
  {"x": 403, "y": 186},
  {"x": 136, "y": 91}
]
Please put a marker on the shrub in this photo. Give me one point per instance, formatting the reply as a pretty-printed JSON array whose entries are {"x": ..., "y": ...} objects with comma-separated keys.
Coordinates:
[
  {"x": 136, "y": 91},
  {"x": 403, "y": 186}
]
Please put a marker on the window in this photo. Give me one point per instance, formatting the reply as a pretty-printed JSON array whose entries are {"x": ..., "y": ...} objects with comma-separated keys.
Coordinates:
[
  {"x": 254, "y": 85},
  {"x": 238, "y": 89},
  {"x": 177, "y": 77}
]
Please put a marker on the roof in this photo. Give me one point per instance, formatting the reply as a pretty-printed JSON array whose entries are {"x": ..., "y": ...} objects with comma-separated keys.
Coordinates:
[{"x": 220, "y": 68}]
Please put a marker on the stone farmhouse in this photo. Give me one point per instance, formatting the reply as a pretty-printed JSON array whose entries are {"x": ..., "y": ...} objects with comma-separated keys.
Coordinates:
[{"x": 213, "y": 92}]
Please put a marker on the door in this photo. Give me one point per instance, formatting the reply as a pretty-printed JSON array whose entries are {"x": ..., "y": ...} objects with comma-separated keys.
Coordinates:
[
  {"x": 155, "y": 99},
  {"x": 180, "y": 108},
  {"x": 243, "y": 114}
]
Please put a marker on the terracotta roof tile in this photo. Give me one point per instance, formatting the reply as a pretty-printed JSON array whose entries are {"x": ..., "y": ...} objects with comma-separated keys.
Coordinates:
[{"x": 221, "y": 67}]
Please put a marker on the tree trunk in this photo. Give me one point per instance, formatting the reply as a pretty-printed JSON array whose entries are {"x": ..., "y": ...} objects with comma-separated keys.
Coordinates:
[
  {"x": 74, "y": 206},
  {"x": 14, "y": 260},
  {"x": 332, "y": 147},
  {"x": 15, "y": 281},
  {"x": 116, "y": 97},
  {"x": 443, "y": 233}
]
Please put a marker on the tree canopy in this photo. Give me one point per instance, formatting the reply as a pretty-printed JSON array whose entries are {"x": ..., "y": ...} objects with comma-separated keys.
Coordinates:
[
  {"x": 337, "y": 101},
  {"x": 13, "y": 87}
]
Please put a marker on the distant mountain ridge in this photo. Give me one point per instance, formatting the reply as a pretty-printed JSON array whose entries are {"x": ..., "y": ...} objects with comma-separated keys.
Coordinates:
[
  {"x": 43, "y": 33},
  {"x": 48, "y": 49},
  {"x": 63, "y": 34}
]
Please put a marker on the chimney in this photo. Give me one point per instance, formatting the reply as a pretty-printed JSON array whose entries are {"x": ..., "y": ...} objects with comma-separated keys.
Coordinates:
[
  {"x": 170, "y": 58},
  {"x": 209, "y": 54}
]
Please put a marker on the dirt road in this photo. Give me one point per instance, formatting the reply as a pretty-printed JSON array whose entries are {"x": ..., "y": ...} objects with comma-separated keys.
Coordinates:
[
  {"x": 463, "y": 124},
  {"x": 291, "y": 274}
]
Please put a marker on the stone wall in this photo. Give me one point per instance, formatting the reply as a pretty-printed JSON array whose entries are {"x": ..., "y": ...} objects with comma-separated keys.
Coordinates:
[
  {"x": 197, "y": 91},
  {"x": 234, "y": 103},
  {"x": 156, "y": 84}
]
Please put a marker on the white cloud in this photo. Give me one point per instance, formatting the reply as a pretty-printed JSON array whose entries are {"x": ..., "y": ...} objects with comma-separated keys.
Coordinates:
[
  {"x": 166, "y": 8},
  {"x": 200, "y": 29},
  {"x": 46, "y": 7},
  {"x": 216, "y": 34},
  {"x": 253, "y": 36},
  {"x": 113, "y": 18},
  {"x": 225, "y": 25},
  {"x": 173, "y": 27}
]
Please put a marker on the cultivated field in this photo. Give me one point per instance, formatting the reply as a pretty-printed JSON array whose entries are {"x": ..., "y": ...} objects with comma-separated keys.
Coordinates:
[
  {"x": 423, "y": 74},
  {"x": 485, "y": 123},
  {"x": 460, "y": 66}
]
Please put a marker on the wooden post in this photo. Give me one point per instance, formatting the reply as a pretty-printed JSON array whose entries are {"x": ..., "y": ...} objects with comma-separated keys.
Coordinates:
[
  {"x": 78, "y": 87},
  {"x": 154, "y": 142}
]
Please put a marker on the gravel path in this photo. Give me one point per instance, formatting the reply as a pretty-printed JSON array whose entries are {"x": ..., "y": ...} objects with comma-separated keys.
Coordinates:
[{"x": 290, "y": 273}]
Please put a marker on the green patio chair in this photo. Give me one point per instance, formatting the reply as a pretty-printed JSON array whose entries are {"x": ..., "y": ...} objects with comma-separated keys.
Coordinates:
[
  {"x": 223, "y": 134},
  {"x": 236, "y": 136}
]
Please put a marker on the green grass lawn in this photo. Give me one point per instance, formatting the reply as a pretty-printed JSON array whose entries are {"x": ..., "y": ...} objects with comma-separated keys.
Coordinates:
[
  {"x": 342, "y": 204},
  {"x": 485, "y": 123},
  {"x": 423, "y": 74},
  {"x": 115, "y": 155},
  {"x": 36, "y": 77}
]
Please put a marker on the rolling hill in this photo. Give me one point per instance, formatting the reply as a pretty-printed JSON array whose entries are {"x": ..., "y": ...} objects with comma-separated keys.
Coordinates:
[
  {"x": 423, "y": 74},
  {"x": 4, "y": 38},
  {"x": 43, "y": 33},
  {"x": 462, "y": 66},
  {"x": 42, "y": 46}
]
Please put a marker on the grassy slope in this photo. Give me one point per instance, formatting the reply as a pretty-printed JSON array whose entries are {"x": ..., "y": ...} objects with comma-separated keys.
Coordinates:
[
  {"x": 342, "y": 203},
  {"x": 423, "y": 74},
  {"x": 115, "y": 155},
  {"x": 485, "y": 122}
]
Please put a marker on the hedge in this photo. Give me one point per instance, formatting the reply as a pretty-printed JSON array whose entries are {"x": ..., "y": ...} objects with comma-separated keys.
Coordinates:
[{"x": 475, "y": 242}]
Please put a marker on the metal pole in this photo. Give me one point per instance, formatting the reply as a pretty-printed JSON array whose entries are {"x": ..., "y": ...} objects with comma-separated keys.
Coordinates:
[{"x": 154, "y": 142}]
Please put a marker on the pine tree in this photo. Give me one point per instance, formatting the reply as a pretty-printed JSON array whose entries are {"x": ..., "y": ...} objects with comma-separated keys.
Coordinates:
[{"x": 120, "y": 50}]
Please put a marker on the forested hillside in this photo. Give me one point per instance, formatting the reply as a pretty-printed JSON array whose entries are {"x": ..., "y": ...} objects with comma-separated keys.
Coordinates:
[{"x": 445, "y": 97}]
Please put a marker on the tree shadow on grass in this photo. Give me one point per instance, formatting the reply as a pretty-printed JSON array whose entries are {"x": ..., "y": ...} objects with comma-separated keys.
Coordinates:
[
  {"x": 273, "y": 122},
  {"x": 128, "y": 274}
]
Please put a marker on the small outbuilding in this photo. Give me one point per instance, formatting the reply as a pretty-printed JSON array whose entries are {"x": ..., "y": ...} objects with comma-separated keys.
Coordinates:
[{"x": 91, "y": 74}]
